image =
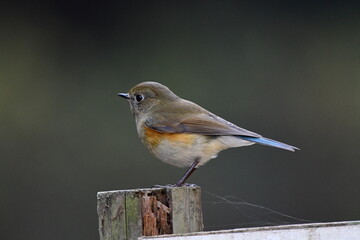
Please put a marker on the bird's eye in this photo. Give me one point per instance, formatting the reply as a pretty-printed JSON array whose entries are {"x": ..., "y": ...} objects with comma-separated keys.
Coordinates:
[{"x": 139, "y": 97}]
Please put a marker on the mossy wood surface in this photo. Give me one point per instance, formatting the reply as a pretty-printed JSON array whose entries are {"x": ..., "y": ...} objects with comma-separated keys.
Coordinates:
[{"x": 129, "y": 214}]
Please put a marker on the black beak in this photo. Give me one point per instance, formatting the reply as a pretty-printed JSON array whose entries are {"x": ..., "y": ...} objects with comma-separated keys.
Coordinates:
[{"x": 124, "y": 95}]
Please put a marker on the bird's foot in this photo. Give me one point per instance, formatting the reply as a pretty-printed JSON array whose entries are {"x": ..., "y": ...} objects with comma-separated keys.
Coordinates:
[
  {"x": 174, "y": 185},
  {"x": 163, "y": 186}
]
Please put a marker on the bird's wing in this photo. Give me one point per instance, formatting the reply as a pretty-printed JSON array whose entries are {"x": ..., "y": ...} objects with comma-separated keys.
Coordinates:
[{"x": 203, "y": 123}]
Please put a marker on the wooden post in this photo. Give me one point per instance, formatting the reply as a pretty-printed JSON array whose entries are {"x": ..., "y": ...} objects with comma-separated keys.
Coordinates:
[{"x": 129, "y": 214}]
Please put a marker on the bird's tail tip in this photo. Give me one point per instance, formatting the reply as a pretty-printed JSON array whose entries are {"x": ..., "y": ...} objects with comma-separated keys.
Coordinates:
[{"x": 271, "y": 143}]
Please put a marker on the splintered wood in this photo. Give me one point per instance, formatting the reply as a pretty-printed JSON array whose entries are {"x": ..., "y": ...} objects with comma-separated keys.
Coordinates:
[
  {"x": 129, "y": 214},
  {"x": 156, "y": 216}
]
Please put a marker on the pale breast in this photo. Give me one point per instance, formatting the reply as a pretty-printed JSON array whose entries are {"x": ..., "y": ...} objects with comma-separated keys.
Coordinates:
[{"x": 181, "y": 149}]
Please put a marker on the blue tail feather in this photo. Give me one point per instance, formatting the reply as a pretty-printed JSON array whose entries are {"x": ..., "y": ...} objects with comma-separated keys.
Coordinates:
[{"x": 270, "y": 142}]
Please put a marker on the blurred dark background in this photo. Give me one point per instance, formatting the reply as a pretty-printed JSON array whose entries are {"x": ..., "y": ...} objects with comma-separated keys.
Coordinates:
[{"x": 290, "y": 71}]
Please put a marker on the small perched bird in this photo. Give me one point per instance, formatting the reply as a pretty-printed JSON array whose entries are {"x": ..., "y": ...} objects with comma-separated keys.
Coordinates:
[{"x": 182, "y": 133}]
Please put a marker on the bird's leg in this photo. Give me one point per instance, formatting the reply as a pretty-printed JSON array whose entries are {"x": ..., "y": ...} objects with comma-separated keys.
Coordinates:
[{"x": 187, "y": 173}]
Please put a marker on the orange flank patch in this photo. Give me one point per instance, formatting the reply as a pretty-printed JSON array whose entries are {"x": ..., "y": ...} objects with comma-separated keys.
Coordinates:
[{"x": 153, "y": 137}]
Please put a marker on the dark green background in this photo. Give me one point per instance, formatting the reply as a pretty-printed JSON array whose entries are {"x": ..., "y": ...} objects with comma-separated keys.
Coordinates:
[{"x": 289, "y": 71}]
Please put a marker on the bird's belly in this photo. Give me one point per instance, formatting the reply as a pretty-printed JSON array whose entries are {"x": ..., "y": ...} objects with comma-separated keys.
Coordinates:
[{"x": 181, "y": 149}]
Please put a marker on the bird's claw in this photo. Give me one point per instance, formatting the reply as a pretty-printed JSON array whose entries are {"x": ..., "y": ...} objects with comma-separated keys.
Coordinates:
[{"x": 173, "y": 185}]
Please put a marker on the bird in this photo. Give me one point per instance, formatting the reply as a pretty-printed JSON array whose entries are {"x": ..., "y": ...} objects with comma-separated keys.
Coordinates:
[{"x": 182, "y": 133}]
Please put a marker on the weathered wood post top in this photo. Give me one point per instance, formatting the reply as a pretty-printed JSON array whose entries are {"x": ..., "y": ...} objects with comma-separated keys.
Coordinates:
[{"x": 129, "y": 214}]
